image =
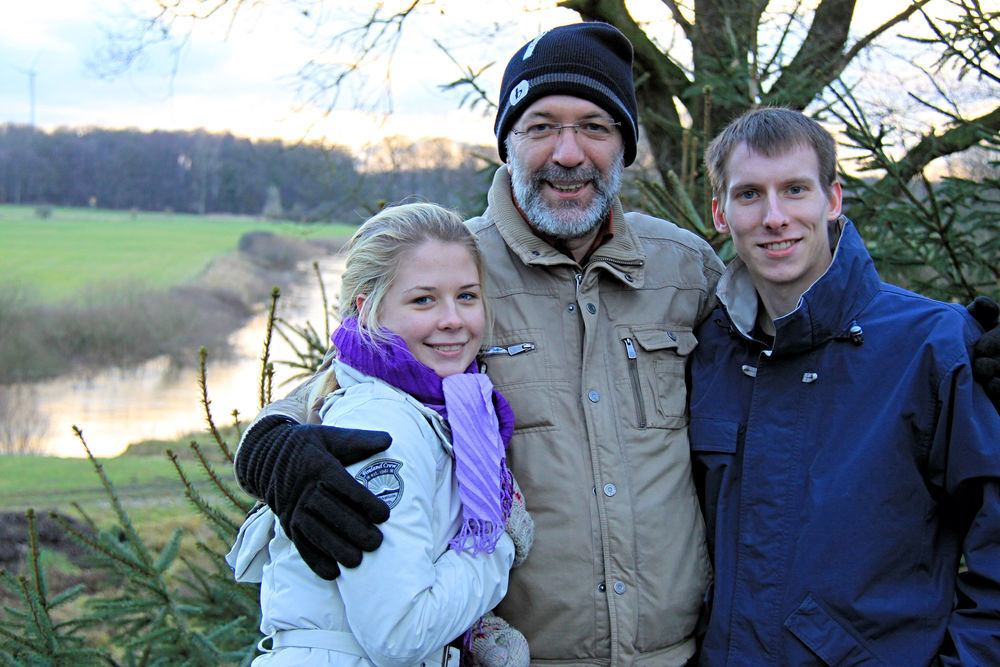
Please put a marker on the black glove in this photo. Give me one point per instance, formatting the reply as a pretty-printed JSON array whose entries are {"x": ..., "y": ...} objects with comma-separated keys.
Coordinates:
[
  {"x": 299, "y": 472},
  {"x": 986, "y": 351}
]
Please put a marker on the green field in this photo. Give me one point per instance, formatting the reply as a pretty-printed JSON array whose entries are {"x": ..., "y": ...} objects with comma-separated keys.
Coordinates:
[
  {"x": 77, "y": 247},
  {"x": 143, "y": 473},
  {"x": 144, "y": 478},
  {"x": 52, "y": 483}
]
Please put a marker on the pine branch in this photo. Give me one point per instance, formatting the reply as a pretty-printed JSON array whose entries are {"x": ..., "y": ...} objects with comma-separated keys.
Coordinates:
[
  {"x": 33, "y": 549},
  {"x": 123, "y": 518},
  {"x": 196, "y": 497},
  {"x": 206, "y": 403},
  {"x": 121, "y": 557},
  {"x": 86, "y": 516},
  {"x": 39, "y": 614},
  {"x": 202, "y": 506},
  {"x": 236, "y": 424},
  {"x": 223, "y": 488},
  {"x": 266, "y": 371}
]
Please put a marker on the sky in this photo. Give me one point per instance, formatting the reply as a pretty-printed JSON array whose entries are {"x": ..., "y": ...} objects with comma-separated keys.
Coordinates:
[{"x": 240, "y": 76}]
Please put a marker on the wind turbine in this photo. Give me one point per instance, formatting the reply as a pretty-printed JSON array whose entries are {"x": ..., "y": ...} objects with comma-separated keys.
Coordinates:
[{"x": 32, "y": 73}]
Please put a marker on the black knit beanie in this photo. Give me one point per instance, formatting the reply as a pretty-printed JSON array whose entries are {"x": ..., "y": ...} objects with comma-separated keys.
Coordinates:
[{"x": 592, "y": 61}]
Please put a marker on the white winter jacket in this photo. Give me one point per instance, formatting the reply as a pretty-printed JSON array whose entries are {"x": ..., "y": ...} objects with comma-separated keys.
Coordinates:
[{"x": 413, "y": 595}]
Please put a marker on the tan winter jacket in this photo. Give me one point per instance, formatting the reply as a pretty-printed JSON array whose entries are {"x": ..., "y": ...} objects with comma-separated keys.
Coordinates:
[{"x": 592, "y": 361}]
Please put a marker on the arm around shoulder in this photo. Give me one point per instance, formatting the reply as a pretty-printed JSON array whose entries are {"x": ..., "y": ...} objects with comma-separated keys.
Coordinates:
[
  {"x": 972, "y": 482},
  {"x": 986, "y": 352},
  {"x": 294, "y": 408},
  {"x": 298, "y": 470}
]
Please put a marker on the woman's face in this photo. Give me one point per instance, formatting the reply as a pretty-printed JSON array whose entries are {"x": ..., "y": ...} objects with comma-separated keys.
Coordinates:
[{"x": 435, "y": 305}]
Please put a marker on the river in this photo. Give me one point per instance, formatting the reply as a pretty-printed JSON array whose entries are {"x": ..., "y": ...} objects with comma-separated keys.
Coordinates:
[{"x": 117, "y": 407}]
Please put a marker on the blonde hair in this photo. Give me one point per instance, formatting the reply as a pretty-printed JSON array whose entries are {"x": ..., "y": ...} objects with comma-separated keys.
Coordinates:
[
  {"x": 377, "y": 249},
  {"x": 374, "y": 256}
]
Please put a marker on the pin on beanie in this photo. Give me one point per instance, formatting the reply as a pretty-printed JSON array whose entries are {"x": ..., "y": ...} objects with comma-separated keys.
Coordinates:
[{"x": 592, "y": 61}]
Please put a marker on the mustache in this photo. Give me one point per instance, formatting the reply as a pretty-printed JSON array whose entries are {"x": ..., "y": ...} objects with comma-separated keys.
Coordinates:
[{"x": 559, "y": 174}]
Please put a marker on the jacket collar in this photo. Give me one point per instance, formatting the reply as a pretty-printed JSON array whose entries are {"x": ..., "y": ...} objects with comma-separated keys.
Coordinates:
[
  {"x": 827, "y": 309},
  {"x": 622, "y": 256}
]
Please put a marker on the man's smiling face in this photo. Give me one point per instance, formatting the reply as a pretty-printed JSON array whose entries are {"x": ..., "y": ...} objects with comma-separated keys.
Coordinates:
[
  {"x": 567, "y": 182},
  {"x": 778, "y": 213}
]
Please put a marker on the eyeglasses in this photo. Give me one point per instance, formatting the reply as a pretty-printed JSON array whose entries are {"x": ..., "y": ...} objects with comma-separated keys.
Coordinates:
[{"x": 597, "y": 130}]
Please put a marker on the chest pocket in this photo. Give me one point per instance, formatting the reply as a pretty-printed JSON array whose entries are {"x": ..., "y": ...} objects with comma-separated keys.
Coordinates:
[
  {"x": 714, "y": 446},
  {"x": 653, "y": 382}
]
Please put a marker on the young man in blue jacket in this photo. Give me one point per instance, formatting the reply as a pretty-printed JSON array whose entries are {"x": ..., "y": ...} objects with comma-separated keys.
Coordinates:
[{"x": 848, "y": 463}]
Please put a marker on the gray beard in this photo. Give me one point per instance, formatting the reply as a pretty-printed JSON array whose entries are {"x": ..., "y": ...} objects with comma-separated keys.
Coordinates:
[{"x": 568, "y": 220}]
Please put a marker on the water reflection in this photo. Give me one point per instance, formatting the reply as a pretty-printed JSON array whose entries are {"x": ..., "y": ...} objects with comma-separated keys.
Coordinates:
[{"x": 118, "y": 407}]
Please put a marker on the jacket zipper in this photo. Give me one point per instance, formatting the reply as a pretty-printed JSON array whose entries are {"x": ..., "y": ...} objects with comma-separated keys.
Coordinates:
[
  {"x": 616, "y": 260},
  {"x": 633, "y": 371}
]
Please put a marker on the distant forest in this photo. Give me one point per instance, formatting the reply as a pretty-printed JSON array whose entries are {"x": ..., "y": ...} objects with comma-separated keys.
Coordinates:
[{"x": 202, "y": 172}]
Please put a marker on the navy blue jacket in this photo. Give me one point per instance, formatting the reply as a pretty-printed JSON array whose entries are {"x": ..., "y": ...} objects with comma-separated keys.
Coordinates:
[{"x": 844, "y": 474}]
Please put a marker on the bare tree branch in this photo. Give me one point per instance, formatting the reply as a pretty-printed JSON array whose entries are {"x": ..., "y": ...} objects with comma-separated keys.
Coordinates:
[
  {"x": 810, "y": 69},
  {"x": 823, "y": 56},
  {"x": 899, "y": 18},
  {"x": 678, "y": 16}
]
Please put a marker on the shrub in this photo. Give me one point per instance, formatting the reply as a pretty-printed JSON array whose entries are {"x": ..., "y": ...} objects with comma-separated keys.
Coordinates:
[
  {"x": 27, "y": 352},
  {"x": 22, "y": 426},
  {"x": 112, "y": 326}
]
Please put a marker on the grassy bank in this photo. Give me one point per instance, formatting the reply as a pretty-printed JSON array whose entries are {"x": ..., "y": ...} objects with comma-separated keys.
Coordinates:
[
  {"x": 57, "y": 256},
  {"x": 52, "y": 483},
  {"x": 87, "y": 289},
  {"x": 143, "y": 476}
]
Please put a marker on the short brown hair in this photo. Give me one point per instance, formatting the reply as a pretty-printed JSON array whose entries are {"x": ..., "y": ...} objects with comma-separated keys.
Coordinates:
[{"x": 771, "y": 131}]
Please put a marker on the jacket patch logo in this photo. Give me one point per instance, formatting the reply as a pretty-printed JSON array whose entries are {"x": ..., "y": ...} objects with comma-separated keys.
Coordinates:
[{"x": 382, "y": 478}]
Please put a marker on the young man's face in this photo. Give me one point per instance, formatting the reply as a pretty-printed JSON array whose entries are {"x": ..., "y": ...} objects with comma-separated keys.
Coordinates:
[
  {"x": 778, "y": 213},
  {"x": 567, "y": 181}
]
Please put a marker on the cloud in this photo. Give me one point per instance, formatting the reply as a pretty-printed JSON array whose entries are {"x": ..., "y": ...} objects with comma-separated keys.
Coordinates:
[{"x": 241, "y": 75}]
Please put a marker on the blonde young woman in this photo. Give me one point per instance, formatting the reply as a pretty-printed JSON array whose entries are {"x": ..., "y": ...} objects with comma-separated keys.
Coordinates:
[{"x": 413, "y": 317}]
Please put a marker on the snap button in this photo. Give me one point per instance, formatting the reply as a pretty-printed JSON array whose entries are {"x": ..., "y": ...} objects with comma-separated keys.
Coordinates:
[
  {"x": 610, "y": 490},
  {"x": 591, "y": 308},
  {"x": 857, "y": 334},
  {"x": 593, "y": 396},
  {"x": 571, "y": 307},
  {"x": 620, "y": 587},
  {"x": 601, "y": 587}
]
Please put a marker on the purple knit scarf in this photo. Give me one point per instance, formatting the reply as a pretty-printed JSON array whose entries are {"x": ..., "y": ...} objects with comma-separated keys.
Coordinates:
[{"x": 480, "y": 418}]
